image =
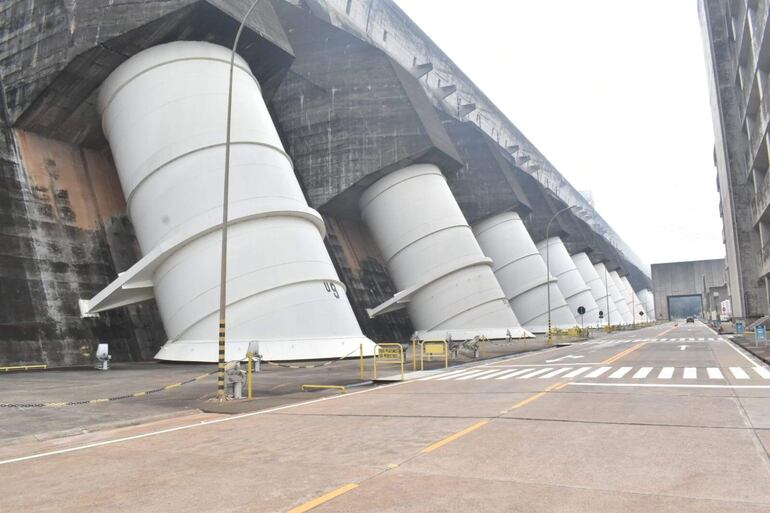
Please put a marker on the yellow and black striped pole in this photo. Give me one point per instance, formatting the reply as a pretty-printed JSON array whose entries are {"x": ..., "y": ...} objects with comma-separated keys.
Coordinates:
[
  {"x": 223, "y": 273},
  {"x": 221, "y": 362}
]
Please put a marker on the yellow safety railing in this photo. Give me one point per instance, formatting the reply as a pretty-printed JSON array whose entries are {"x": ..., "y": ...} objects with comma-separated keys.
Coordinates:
[
  {"x": 429, "y": 349},
  {"x": 22, "y": 367},
  {"x": 388, "y": 353}
]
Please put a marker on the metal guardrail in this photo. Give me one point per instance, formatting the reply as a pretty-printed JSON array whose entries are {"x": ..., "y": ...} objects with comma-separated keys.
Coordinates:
[
  {"x": 429, "y": 348},
  {"x": 388, "y": 353}
]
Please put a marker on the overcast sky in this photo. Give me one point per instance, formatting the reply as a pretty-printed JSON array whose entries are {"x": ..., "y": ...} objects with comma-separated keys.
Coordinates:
[{"x": 613, "y": 93}]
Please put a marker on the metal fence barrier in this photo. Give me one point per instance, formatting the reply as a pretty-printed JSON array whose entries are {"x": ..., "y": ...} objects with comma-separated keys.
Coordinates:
[
  {"x": 429, "y": 349},
  {"x": 388, "y": 353}
]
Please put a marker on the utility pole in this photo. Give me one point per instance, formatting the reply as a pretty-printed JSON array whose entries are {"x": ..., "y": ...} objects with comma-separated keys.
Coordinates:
[
  {"x": 548, "y": 266},
  {"x": 225, "y": 201},
  {"x": 607, "y": 289}
]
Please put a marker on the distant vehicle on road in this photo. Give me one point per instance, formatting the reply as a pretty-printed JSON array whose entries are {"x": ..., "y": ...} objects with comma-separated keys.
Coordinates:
[{"x": 690, "y": 319}]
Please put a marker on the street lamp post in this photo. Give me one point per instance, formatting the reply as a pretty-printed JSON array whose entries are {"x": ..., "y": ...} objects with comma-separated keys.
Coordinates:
[
  {"x": 225, "y": 201},
  {"x": 607, "y": 290},
  {"x": 548, "y": 266}
]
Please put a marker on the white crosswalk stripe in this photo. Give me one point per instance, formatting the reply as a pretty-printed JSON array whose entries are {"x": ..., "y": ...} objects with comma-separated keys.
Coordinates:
[
  {"x": 535, "y": 373},
  {"x": 577, "y": 372},
  {"x": 466, "y": 372},
  {"x": 555, "y": 373},
  {"x": 642, "y": 373},
  {"x": 495, "y": 374},
  {"x": 714, "y": 373},
  {"x": 613, "y": 373},
  {"x": 455, "y": 373},
  {"x": 514, "y": 373},
  {"x": 477, "y": 375},
  {"x": 598, "y": 372},
  {"x": 739, "y": 373},
  {"x": 620, "y": 372}
]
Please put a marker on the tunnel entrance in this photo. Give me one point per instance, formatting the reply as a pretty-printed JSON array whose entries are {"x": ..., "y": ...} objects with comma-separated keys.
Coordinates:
[{"x": 681, "y": 307}]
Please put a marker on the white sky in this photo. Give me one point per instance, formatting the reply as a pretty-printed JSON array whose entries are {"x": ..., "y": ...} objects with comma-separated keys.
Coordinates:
[{"x": 613, "y": 93}]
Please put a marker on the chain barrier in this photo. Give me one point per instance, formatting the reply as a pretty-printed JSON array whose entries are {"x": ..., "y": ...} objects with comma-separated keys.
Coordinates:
[
  {"x": 108, "y": 399},
  {"x": 161, "y": 389},
  {"x": 324, "y": 364}
]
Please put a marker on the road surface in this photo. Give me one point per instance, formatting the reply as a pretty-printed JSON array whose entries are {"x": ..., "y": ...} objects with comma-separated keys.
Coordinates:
[{"x": 668, "y": 418}]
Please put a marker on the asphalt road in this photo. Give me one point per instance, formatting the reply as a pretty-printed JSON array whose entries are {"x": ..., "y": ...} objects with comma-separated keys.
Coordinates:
[{"x": 662, "y": 419}]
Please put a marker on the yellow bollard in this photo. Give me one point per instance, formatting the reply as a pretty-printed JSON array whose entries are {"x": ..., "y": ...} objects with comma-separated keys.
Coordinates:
[
  {"x": 361, "y": 361},
  {"x": 250, "y": 358},
  {"x": 446, "y": 354}
]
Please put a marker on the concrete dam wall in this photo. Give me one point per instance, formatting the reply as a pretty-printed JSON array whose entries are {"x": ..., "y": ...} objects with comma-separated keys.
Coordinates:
[{"x": 369, "y": 202}]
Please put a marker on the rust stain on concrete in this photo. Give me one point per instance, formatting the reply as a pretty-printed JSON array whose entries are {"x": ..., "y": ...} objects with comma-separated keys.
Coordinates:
[{"x": 81, "y": 185}]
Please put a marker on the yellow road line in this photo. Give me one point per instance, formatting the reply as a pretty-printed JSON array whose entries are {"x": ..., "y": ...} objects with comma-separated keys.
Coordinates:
[
  {"x": 457, "y": 435},
  {"x": 528, "y": 400},
  {"x": 344, "y": 489},
  {"x": 555, "y": 386},
  {"x": 620, "y": 355},
  {"x": 323, "y": 498}
]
